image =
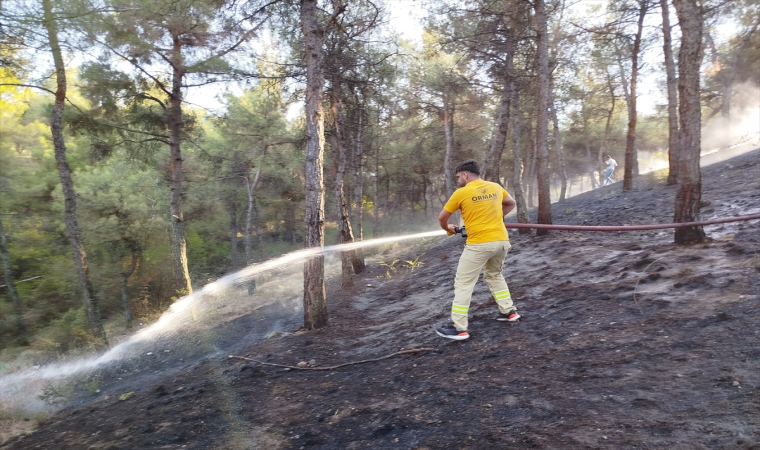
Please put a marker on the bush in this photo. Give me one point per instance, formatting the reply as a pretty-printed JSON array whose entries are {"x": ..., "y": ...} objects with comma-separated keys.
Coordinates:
[{"x": 66, "y": 333}]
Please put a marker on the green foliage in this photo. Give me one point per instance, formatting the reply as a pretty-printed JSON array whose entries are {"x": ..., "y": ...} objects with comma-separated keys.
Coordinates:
[
  {"x": 66, "y": 333},
  {"x": 280, "y": 247},
  {"x": 57, "y": 393},
  {"x": 94, "y": 383}
]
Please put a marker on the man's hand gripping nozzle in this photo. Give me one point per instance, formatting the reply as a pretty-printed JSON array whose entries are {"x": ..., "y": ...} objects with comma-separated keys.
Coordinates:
[{"x": 461, "y": 230}]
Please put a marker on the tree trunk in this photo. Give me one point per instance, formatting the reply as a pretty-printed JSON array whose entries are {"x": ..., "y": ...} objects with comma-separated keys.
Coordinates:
[
  {"x": 490, "y": 168},
  {"x": 344, "y": 228},
  {"x": 517, "y": 171},
  {"x": 233, "y": 235},
  {"x": 314, "y": 297},
  {"x": 542, "y": 120},
  {"x": 425, "y": 184},
  {"x": 376, "y": 194},
  {"x": 358, "y": 158},
  {"x": 630, "y": 141},
  {"x": 125, "y": 303},
  {"x": 670, "y": 73},
  {"x": 182, "y": 283},
  {"x": 590, "y": 158},
  {"x": 553, "y": 57},
  {"x": 253, "y": 224},
  {"x": 134, "y": 253},
  {"x": 257, "y": 232},
  {"x": 530, "y": 184},
  {"x": 448, "y": 131},
  {"x": 94, "y": 320},
  {"x": 560, "y": 153},
  {"x": 607, "y": 126},
  {"x": 11, "y": 286},
  {"x": 689, "y": 195},
  {"x": 357, "y": 163},
  {"x": 250, "y": 187},
  {"x": 349, "y": 260}
]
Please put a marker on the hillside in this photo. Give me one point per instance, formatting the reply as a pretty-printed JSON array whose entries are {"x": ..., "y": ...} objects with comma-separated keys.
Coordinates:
[{"x": 627, "y": 341}]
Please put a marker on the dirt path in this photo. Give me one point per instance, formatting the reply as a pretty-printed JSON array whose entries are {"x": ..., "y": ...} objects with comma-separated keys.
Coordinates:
[{"x": 626, "y": 342}]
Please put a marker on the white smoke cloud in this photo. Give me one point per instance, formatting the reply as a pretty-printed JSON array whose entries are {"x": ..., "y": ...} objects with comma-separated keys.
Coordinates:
[{"x": 726, "y": 137}]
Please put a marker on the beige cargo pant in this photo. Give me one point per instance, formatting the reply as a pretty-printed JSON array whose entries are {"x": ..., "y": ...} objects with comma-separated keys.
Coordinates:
[{"x": 488, "y": 257}]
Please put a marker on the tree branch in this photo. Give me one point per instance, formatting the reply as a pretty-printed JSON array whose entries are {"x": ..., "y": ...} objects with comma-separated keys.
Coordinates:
[
  {"x": 29, "y": 86},
  {"x": 158, "y": 82}
]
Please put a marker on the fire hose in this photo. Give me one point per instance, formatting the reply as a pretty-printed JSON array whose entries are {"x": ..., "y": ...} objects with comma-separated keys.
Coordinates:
[{"x": 622, "y": 227}]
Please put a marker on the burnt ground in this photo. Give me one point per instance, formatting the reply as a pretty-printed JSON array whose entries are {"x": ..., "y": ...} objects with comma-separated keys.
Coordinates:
[{"x": 627, "y": 341}]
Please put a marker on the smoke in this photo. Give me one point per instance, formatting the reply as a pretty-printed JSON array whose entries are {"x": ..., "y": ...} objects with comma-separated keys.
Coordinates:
[
  {"x": 726, "y": 137},
  {"x": 722, "y": 138},
  {"x": 650, "y": 161}
]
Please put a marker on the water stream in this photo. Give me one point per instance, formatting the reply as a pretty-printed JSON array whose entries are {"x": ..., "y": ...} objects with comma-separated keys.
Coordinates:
[{"x": 277, "y": 280}]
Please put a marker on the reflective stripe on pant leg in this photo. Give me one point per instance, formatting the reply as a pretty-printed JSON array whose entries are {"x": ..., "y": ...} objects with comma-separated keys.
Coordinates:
[
  {"x": 504, "y": 300},
  {"x": 459, "y": 309},
  {"x": 470, "y": 264},
  {"x": 495, "y": 279}
]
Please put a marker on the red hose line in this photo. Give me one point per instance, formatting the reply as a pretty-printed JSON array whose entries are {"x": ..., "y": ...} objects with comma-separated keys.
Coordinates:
[{"x": 631, "y": 227}]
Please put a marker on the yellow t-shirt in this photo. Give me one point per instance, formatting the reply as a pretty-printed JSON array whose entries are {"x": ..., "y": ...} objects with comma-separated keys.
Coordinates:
[{"x": 480, "y": 202}]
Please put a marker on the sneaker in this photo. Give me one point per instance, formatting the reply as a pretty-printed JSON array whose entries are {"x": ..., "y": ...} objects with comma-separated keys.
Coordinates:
[
  {"x": 508, "y": 317},
  {"x": 450, "y": 332}
]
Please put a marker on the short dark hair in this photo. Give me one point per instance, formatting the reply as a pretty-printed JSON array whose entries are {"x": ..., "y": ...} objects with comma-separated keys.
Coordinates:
[
  {"x": 469, "y": 165},
  {"x": 607, "y": 156}
]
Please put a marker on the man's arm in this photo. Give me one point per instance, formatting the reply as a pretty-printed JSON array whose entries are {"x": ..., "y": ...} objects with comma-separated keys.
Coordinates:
[
  {"x": 443, "y": 221},
  {"x": 507, "y": 205}
]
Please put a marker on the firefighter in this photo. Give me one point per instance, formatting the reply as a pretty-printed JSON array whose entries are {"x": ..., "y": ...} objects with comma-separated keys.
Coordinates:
[{"x": 484, "y": 205}]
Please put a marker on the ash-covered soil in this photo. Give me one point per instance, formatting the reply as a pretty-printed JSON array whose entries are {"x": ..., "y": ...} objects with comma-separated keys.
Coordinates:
[{"x": 627, "y": 341}]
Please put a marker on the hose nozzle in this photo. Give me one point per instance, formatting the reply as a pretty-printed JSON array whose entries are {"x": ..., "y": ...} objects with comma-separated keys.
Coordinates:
[{"x": 461, "y": 230}]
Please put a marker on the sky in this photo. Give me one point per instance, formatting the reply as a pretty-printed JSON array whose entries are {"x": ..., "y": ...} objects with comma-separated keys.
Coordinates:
[{"x": 406, "y": 17}]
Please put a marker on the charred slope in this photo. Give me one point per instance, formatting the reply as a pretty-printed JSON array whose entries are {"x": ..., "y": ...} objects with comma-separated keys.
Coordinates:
[{"x": 626, "y": 341}]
